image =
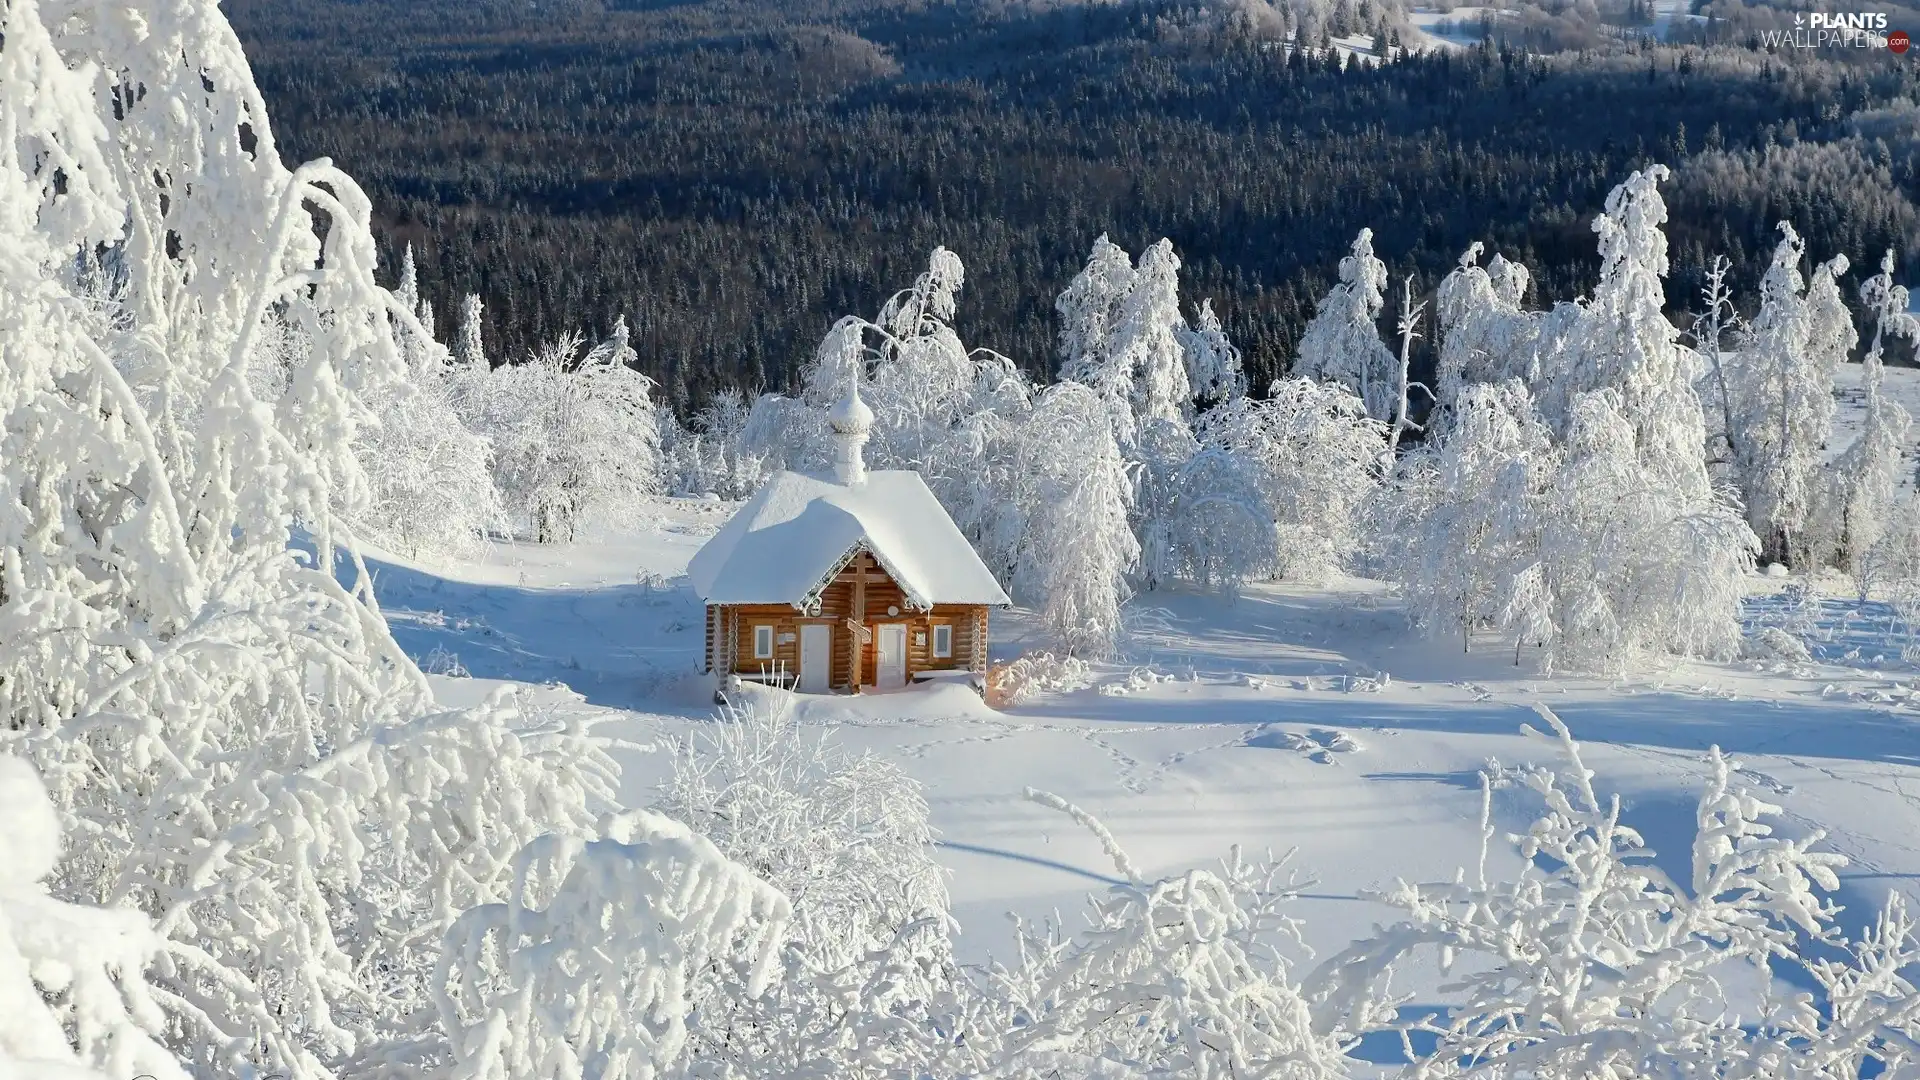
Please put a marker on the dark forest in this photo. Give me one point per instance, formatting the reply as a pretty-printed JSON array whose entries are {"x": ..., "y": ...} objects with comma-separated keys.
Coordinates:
[{"x": 733, "y": 177}]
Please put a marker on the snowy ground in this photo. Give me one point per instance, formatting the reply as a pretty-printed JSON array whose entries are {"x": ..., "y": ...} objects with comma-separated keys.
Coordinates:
[{"x": 1289, "y": 718}]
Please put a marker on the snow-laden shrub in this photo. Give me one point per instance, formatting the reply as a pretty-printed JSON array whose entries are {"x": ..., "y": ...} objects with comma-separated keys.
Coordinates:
[
  {"x": 73, "y": 995},
  {"x": 845, "y": 839},
  {"x": 1180, "y": 977},
  {"x": 1775, "y": 643},
  {"x": 1593, "y": 962},
  {"x": 1312, "y": 455},
  {"x": 588, "y": 967},
  {"x": 574, "y": 438},
  {"x": 1036, "y": 673}
]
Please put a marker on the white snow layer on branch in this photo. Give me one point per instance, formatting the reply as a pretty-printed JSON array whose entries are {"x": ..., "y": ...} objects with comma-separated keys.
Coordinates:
[{"x": 585, "y": 968}]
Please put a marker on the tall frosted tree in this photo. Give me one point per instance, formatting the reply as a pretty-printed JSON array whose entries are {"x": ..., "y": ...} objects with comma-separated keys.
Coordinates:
[
  {"x": 1342, "y": 343},
  {"x": 1782, "y": 388},
  {"x": 1146, "y": 342},
  {"x": 469, "y": 348},
  {"x": 1081, "y": 546},
  {"x": 1089, "y": 310},
  {"x": 1860, "y": 501}
]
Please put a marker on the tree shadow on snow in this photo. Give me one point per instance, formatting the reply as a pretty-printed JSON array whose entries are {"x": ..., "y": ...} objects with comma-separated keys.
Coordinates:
[{"x": 634, "y": 646}]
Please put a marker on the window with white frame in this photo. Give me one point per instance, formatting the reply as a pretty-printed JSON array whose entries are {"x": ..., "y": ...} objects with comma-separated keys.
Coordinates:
[
  {"x": 943, "y": 641},
  {"x": 763, "y": 643}
]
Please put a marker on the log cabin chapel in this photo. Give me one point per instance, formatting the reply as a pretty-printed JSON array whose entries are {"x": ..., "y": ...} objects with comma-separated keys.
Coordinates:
[{"x": 846, "y": 581}]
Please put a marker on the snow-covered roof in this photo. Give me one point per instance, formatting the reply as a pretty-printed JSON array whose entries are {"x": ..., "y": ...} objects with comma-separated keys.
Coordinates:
[{"x": 798, "y": 530}]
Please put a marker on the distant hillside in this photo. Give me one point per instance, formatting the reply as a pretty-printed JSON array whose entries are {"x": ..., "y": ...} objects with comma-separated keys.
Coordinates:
[{"x": 733, "y": 176}]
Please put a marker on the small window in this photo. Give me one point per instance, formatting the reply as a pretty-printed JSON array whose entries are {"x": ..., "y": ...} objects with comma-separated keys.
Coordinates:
[
  {"x": 943, "y": 641},
  {"x": 763, "y": 643}
]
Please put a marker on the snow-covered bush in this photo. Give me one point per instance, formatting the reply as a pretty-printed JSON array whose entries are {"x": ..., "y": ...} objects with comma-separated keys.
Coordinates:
[
  {"x": 574, "y": 438},
  {"x": 1180, "y": 977},
  {"x": 1594, "y": 962},
  {"x": 845, "y": 839},
  {"x": 73, "y": 995},
  {"x": 843, "y": 836},
  {"x": 1342, "y": 342},
  {"x": 587, "y": 968}
]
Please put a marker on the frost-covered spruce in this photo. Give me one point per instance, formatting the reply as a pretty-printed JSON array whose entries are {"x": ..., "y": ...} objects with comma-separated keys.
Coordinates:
[{"x": 1342, "y": 342}]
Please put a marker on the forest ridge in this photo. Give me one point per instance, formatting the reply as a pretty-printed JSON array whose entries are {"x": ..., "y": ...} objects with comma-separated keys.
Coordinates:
[{"x": 732, "y": 177}]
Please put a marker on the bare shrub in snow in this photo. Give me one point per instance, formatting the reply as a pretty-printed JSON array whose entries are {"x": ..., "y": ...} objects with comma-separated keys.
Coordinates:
[
  {"x": 241, "y": 752},
  {"x": 1036, "y": 673}
]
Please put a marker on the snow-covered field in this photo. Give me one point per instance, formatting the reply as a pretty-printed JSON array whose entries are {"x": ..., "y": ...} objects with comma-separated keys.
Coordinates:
[{"x": 1289, "y": 718}]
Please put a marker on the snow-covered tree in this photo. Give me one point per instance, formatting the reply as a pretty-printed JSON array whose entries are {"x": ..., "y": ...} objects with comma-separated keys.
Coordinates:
[
  {"x": 1090, "y": 311},
  {"x": 1630, "y": 560},
  {"x": 574, "y": 440},
  {"x": 1079, "y": 546},
  {"x": 1783, "y": 397},
  {"x": 238, "y": 749},
  {"x": 469, "y": 348},
  {"x": 1859, "y": 503},
  {"x": 1145, "y": 341},
  {"x": 1311, "y": 453},
  {"x": 1486, "y": 336},
  {"x": 1713, "y": 333},
  {"x": 1213, "y": 361},
  {"x": 431, "y": 477},
  {"x": 1342, "y": 342},
  {"x": 1462, "y": 523}
]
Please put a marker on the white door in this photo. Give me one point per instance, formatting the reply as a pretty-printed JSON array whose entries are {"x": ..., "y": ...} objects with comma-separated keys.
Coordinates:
[
  {"x": 892, "y": 662},
  {"x": 816, "y": 657}
]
